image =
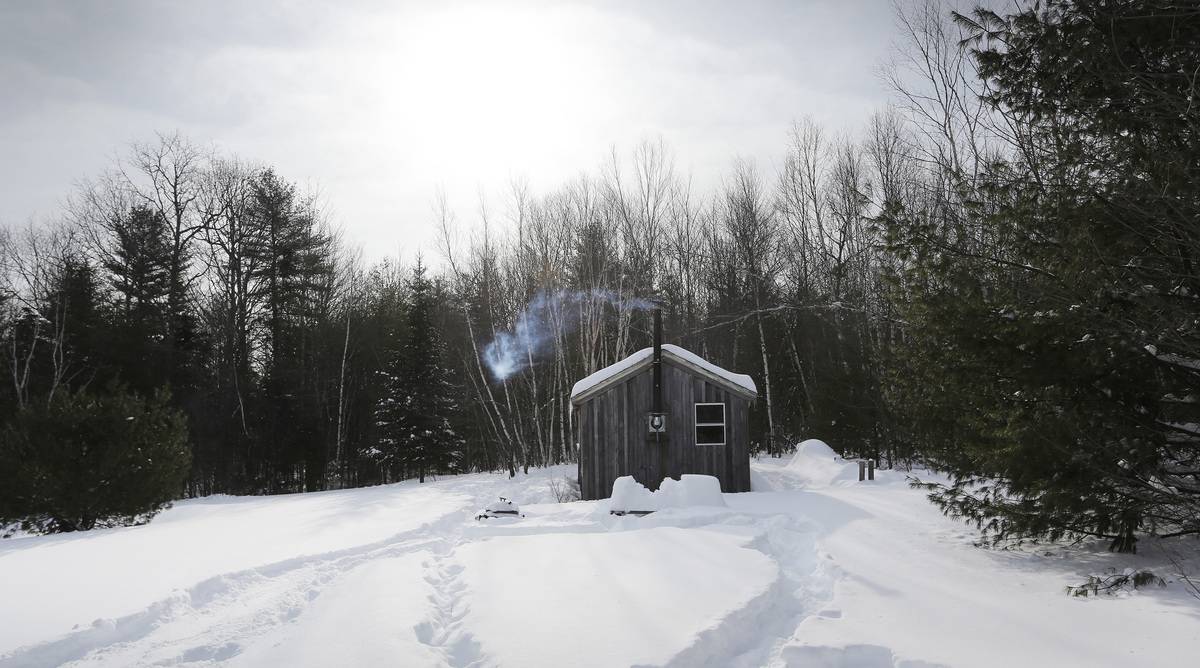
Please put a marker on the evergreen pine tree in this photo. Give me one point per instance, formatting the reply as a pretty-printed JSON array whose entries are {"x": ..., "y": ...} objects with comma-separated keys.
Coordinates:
[
  {"x": 80, "y": 460},
  {"x": 1054, "y": 333},
  {"x": 138, "y": 265},
  {"x": 291, "y": 264},
  {"x": 389, "y": 412},
  {"x": 138, "y": 270},
  {"x": 417, "y": 414}
]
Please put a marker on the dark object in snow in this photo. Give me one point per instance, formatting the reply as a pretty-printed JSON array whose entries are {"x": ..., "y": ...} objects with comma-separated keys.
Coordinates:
[
  {"x": 661, "y": 413},
  {"x": 501, "y": 508},
  {"x": 866, "y": 469},
  {"x": 622, "y": 513}
]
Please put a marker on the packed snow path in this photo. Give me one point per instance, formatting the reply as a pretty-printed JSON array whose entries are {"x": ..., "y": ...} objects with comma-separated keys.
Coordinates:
[{"x": 817, "y": 570}]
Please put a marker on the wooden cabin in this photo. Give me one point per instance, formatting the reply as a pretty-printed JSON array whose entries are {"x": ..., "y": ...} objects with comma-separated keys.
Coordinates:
[{"x": 662, "y": 412}]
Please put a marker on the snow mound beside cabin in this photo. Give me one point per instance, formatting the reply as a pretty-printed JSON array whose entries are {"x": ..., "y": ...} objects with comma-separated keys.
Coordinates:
[
  {"x": 817, "y": 465},
  {"x": 629, "y": 495}
]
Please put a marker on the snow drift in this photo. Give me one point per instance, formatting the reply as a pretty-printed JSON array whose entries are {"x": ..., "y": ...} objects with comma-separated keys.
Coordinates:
[
  {"x": 816, "y": 465},
  {"x": 629, "y": 495}
]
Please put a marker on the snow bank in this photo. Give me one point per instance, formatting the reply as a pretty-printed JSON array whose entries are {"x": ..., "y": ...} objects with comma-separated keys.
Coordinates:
[
  {"x": 629, "y": 495},
  {"x": 817, "y": 449},
  {"x": 587, "y": 383},
  {"x": 815, "y": 464},
  {"x": 691, "y": 490}
]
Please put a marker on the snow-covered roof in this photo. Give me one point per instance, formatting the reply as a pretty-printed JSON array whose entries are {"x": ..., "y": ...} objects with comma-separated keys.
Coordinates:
[{"x": 609, "y": 375}]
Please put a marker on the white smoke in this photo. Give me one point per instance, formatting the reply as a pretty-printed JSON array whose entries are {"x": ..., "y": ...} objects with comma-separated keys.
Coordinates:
[{"x": 512, "y": 351}]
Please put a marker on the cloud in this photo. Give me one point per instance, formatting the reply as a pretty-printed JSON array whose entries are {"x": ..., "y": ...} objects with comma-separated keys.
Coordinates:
[{"x": 378, "y": 104}]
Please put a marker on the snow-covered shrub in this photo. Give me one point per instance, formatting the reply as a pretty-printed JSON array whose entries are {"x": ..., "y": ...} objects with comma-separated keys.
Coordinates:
[
  {"x": 564, "y": 489},
  {"x": 85, "y": 460},
  {"x": 1113, "y": 582}
]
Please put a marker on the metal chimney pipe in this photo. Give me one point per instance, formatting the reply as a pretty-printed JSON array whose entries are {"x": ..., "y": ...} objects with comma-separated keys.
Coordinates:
[{"x": 657, "y": 364}]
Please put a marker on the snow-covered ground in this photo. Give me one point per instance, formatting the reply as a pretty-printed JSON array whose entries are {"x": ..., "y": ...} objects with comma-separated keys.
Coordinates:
[{"x": 811, "y": 569}]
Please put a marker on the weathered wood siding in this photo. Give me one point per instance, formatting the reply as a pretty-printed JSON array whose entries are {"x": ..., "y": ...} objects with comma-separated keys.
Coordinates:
[{"x": 613, "y": 434}]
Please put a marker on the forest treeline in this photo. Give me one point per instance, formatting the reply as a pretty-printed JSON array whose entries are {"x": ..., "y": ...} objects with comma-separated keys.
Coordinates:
[{"x": 996, "y": 277}]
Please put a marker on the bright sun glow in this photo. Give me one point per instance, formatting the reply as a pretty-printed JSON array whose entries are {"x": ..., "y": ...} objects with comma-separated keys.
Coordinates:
[{"x": 487, "y": 85}]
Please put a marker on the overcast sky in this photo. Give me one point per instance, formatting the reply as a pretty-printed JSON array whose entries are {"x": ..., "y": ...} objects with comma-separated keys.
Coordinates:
[{"x": 378, "y": 104}]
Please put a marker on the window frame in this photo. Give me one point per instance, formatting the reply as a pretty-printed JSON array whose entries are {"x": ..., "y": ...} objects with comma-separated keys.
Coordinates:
[{"x": 723, "y": 424}]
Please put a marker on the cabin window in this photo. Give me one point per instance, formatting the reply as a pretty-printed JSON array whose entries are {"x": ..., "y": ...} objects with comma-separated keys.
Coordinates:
[{"x": 710, "y": 424}]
